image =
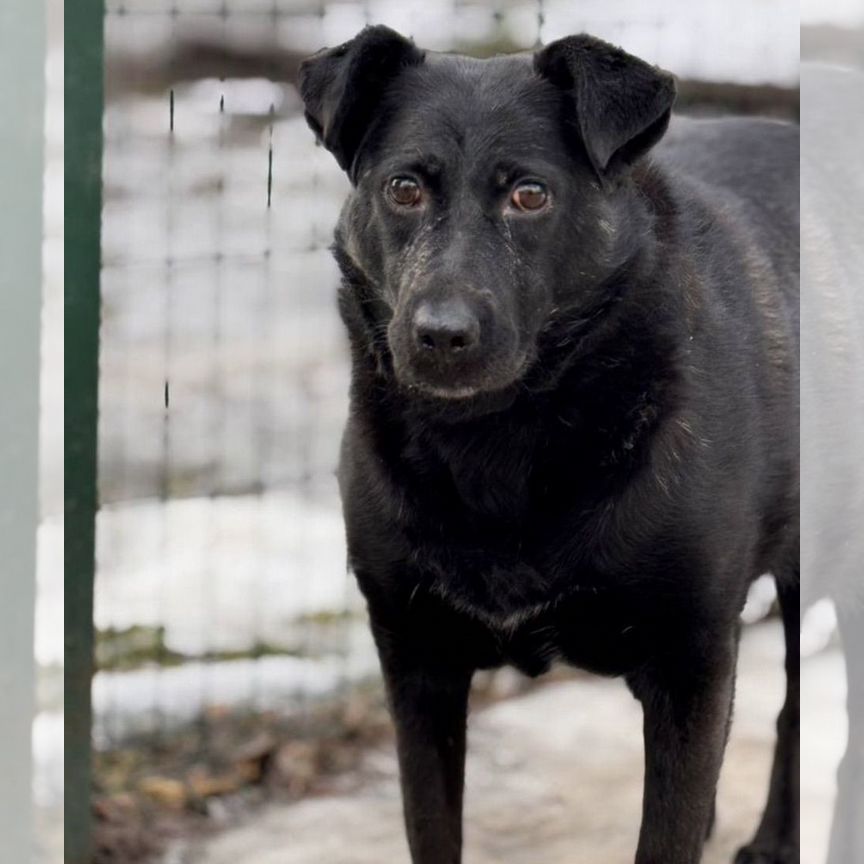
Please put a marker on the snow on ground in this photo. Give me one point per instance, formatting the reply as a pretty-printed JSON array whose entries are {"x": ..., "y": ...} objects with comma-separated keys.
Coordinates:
[
  {"x": 143, "y": 700},
  {"x": 226, "y": 574},
  {"x": 221, "y": 573}
]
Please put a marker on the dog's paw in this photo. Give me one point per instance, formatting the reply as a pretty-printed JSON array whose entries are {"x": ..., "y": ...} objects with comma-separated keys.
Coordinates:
[{"x": 758, "y": 853}]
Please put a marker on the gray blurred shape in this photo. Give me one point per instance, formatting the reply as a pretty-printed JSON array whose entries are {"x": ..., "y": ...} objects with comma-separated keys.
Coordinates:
[
  {"x": 832, "y": 397},
  {"x": 22, "y": 76},
  {"x": 824, "y": 43}
]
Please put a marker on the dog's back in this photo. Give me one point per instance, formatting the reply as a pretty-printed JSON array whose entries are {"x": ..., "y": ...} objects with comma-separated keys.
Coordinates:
[
  {"x": 751, "y": 156},
  {"x": 735, "y": 184},
  {"x": 750, "y": 165}
]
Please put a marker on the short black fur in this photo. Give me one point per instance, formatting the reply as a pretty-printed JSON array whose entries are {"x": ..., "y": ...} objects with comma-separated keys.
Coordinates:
[{"x": 573, "y": 431}]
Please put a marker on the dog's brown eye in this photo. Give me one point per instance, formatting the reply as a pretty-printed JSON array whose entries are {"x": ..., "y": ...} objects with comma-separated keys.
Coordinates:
[
  {"x": 529, "y": 197},
  {"x": 404, "y": 192}
]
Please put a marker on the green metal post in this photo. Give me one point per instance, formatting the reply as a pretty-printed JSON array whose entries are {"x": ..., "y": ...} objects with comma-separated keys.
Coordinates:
[{"x": 83, "y": 197}]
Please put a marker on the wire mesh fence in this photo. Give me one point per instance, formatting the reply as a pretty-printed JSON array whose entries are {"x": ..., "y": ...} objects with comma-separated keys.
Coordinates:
[{"x": 221, "y": 568}]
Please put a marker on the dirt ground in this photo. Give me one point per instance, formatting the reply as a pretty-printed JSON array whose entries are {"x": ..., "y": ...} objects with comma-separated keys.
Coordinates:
[{"x": 554, "y": 776}]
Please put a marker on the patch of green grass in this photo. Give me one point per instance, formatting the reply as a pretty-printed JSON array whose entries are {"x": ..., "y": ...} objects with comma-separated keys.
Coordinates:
[
  {"x": 121, "y": 650},
  {"x": 255, "y": 652},
  {"x": 133, "y": 647}
]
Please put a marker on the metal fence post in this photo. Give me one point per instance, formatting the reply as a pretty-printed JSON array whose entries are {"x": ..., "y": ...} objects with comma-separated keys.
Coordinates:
[
  {"x": 83, "y": 196},
  {"x": 22, "y": 101}
]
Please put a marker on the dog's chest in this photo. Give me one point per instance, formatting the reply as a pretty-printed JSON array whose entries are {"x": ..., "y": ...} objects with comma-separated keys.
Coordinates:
[
  {"x": 603, "y": 632},
  {"x": 509, "y": 530},
  {"x": 503, "y": 529},
  {"x": 535, "y": 602}
]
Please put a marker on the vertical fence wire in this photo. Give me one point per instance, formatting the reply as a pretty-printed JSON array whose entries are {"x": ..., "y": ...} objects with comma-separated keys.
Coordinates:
[{"x": 166, "y": 460}]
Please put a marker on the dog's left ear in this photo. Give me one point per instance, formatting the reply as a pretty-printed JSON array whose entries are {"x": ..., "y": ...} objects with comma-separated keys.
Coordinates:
[
  {"x": 622, "y": 104},
  {"x": 342, "y": 87}
]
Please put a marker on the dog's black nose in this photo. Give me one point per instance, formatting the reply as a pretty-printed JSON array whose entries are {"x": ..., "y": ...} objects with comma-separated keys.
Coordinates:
[{"x": 446, "y": 328}]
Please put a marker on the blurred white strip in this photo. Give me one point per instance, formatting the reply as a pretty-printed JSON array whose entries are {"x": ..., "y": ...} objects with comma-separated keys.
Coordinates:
[
  {"x": 840, "y": 13},
  {"x": 22, "y": 95},
  {"x": 818, "y": 627}
]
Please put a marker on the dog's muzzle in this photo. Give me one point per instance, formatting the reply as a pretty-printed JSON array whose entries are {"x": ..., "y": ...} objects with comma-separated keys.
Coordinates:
[{"x": 452, "y": 347}]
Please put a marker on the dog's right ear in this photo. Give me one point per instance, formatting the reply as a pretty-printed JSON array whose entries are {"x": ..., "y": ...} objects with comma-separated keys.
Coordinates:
[{"x": 342, "y": 88}]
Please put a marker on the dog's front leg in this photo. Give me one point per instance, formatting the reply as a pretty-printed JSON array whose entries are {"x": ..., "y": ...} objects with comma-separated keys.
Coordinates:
[
  {"x": 429, "y": 702},
  {"x": 687, "y": 702}
]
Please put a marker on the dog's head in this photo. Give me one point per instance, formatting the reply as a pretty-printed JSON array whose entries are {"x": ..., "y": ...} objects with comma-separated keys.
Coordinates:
[{"x": 490, "y": 196}]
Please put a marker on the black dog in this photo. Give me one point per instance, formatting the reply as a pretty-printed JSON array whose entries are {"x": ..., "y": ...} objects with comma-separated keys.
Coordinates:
[{"x": 574, "y": 427}]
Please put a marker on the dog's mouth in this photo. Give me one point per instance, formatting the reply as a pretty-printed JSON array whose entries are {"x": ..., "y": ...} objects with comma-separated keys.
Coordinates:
[
  {"x": 437, "y": 391},
  {"x": 460, "y": 388}
]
